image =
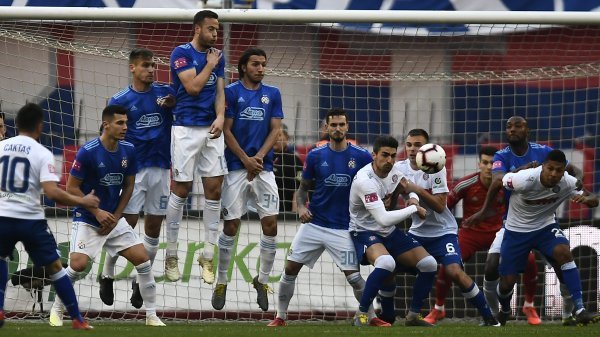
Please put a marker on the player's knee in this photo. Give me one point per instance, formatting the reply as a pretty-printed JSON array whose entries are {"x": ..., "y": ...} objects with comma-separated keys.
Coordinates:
[
  {"x": 491, "y": 267},
  {"x": 427, "y": 264},
  {"x": 562, "y": 254},
  {"x": 385, "y": 262}
]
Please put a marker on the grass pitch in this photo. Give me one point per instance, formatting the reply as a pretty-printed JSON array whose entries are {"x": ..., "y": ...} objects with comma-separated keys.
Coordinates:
[{"x": 258, "y": 329}]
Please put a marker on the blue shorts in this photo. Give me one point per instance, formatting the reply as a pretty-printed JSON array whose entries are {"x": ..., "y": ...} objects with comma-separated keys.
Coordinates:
[
  {"x": 444, "y": 249},
  {"x": 35, "y": 236},
  {"x": 396, "y": 243},
  {"x": 516, "y": 246}
]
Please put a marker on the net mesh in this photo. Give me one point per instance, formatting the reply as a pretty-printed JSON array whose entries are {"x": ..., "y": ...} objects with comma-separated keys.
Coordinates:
[{"x": 460, "y": 87}]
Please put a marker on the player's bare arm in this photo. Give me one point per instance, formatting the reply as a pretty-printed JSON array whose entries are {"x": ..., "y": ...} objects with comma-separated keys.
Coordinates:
[
  {"x": 217, "y": 125},
  {"x": 271, "y": 139},
  {"x": 252, "y": 164},
  {"x": 302, "y": 200},
  {"x": 104, "y": 218},
  {"x": 55, "y": 193},
  {"x": 437, "y": 202},
  {"x": 493, "y": 191},
  {"x": 194, "y": 82},
  {"x": 126, "y": 193}
]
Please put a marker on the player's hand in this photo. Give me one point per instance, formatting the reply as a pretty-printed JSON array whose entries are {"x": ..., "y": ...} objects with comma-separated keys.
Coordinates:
[
  {"x": 421, "y": 212},
  {"x": 253, "y": 165},
  {"x": 216, "y": 128},
  {"x": 213, "y": 56},
  {"x": 107, "y": 221},
  {"x": 250, "y": 176},
  {"x": 166, "y": 101},
  {"x": 305, "y": 214},
  {"x": 580, "y": 199},
  {"x": 406, "y": 186},
  {"x": 90, "y": 200},
  {"x": 474, "y": 219}
]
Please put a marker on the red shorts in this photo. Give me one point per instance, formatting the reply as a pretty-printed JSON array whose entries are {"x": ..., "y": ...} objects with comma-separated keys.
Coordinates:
[{"x": 471, "y": 241}]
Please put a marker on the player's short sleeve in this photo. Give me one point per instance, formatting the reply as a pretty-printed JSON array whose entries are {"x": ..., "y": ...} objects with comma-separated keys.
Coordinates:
[
  {"x": 48, "y": 169},
  {"x": 277, "y": 108},
  {"x": 80, "y": 164},
  {"x": 220, "y": 68},
  {"x": 132, "y": 167},
  {"x": 439, "y": 183},
  {"x": 367, "y": 191},
  {"x": 499, "y": 165},
  {"x": 230, "y": 102},
  {"x": 517, "y": 181},
  {"x": 180, "y": 60},
  {"x": 365, "y": 159},
  {"x": 113, "y": 101},
  {"x": 308, "y": 170}
]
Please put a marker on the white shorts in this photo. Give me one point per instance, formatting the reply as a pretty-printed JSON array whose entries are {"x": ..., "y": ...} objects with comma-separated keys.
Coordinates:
[
  {"x": 261, "y": 193},
  {"x": 495, "y": 247},
  {"x": 192, "y": 151},
  {"x": 311, "y": 240},
  {"x": 151, "y": 192},
  {"x": 86, "y": 240}
]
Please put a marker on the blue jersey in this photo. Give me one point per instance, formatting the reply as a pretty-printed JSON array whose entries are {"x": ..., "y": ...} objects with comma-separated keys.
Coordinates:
[
  {"x": 333, "y": 172},
  {"x": 251, "y": 111},
  {"x": 104, "y": 172},
  {"x": 194, "y": 110},
  {"x": 148, "y": 124},
  {"x": 506, "y": 161}
]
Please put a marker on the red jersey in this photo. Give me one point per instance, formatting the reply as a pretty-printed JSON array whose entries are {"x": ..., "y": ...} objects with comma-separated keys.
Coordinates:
[{"x": 472, "y": 191}]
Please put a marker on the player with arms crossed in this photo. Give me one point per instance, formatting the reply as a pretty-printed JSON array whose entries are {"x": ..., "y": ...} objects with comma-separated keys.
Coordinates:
[
  {"x": 438, "y": 231},
  {"x": 531, "y": 223},
  {"x": 472, "y": 189},
  {"x": 107, "y": 165},
  {"x": 520, "y": 154},
  {"x": 379, "y": 243},
  {"x": 26, "y": 168},
  {"x": 198, "y": 71},
  {"x": 253, "y": 119},
  {"x": 149, "y": 120},
  {"x": 329, "y": 170}
]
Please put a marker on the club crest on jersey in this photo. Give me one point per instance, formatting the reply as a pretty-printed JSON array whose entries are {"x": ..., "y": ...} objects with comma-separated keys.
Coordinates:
[
  {"x": 556, "y": 189},
  {"x": 395, "y": 178},
  {"x": 124, "y": 162},
  {"x": 81, "y": 245},
  {"x": 352, "y": 163},
  {"x": 264, "y": 99},
  {"x": 425, "y": 176}
]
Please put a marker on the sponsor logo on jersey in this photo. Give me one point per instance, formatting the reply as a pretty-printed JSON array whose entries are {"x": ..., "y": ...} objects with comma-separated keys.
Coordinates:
[
  {"x": 101, "y": 165},
  {"x": 112, "y": 179},
  {"x": 241, "y": 100},
  {"x": 264, "y": 99},
  {"x": 371, "y": 197},
  {"x": 544, "y": 201},
  {"x": 253, "y": 114},
  {"x": 149, "y": 120},
  {"x": 338, "y": 180},
  {"x": 133, "y": 108},
  {"x": 509, "y": 183},
  {"x": 437, "y": 180},
  {"x": 180, "y": 63},
  {"x": 324, "y": 164},
  {"x": 76, "y": 165},
  {"x": 497, "y": 164}
]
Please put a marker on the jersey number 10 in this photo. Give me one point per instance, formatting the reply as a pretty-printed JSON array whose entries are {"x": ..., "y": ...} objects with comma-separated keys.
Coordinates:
[{"x": 8, "y": 168}]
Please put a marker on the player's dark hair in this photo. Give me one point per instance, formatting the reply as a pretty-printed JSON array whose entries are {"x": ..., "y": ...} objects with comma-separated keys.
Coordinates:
[
  {"x": 419, "y": 132},
  {"x": 488, "y": 151},
  {"x": 557, "y": 156},
  {"x": 384, "y": 141},
  {"x": 29, "y": 117},
  {"x": 246, "y": 56},
  {"x": 140, "y": 54},
  {"x": 110, "y": 111},
  {"x": 201, "y": 15},
  {"x": 2, "y": 115},
  {"x": 335, "y": 112}
]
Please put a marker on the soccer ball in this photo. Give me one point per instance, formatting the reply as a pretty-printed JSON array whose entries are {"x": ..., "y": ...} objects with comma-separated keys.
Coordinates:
[{"x": 431, "y": 158}]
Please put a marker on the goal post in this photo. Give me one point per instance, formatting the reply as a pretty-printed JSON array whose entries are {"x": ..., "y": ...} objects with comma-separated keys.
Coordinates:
[{"x": 459, "y": 75}]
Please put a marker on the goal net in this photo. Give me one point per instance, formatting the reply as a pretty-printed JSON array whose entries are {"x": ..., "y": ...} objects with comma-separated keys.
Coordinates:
[{"x": 460, "y": 81}]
